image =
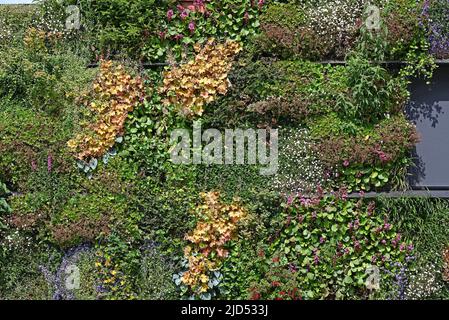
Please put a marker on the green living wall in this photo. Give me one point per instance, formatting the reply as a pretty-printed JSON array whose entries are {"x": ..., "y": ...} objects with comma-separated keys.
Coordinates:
[{"x": 87, "y": 182}]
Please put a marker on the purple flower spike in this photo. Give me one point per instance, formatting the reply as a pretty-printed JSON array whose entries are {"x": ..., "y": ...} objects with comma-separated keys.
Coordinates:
[
  {"x": 49, "y": 163},
  {"x": 170, "y": 14}
]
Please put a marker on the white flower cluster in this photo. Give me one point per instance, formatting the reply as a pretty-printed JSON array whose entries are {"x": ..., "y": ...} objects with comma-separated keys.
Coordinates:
[
  {"x": 14, "y": 241},
  {"x": 44, "y": 18},
  {"x": 424, "y": 282},
  {"x": 6, "y": 32},
  {"x": 300, "y": 171},
  {"x": 336, "y": 22},
  {"x": 54, "y": 19},
  {"x": 51, "y": 22}
]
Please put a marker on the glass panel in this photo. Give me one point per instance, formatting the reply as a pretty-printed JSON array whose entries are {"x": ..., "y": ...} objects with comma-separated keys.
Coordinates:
[{"x": 429, "y": 110}]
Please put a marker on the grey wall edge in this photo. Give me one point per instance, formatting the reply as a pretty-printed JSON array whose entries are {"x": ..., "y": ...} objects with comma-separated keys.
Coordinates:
[{"x": 443, "y": 194}]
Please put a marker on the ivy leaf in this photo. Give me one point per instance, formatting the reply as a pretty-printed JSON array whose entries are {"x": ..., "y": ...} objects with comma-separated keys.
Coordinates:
[{"x": 348, "y": 280}]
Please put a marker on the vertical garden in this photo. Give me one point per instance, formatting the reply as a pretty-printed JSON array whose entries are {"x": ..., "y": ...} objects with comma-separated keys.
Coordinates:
[{"x": 92, "y": 205}]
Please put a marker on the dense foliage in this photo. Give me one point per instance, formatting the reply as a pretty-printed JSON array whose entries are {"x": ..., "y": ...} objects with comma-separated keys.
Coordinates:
[{"x": 87, "y": 183}]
